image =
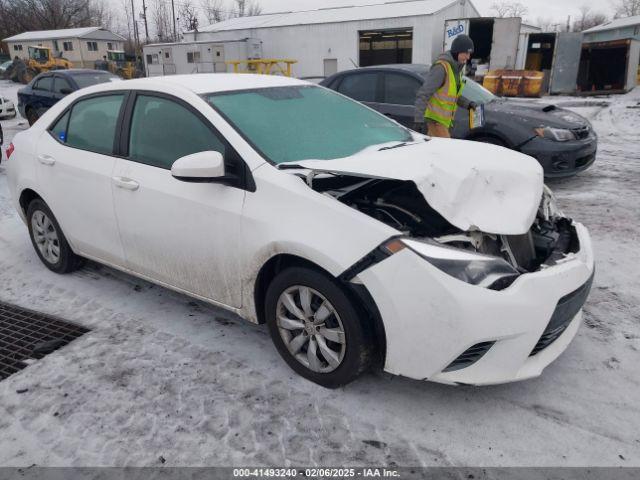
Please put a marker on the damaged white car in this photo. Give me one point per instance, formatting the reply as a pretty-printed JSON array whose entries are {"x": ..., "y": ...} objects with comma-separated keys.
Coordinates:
[{"x": 358, "y": 242}]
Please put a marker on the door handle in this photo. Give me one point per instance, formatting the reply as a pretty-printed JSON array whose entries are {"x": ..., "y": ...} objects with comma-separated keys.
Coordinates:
[
  {"x": 46, "y": 159},
  {"x": 126, "y": 183}
]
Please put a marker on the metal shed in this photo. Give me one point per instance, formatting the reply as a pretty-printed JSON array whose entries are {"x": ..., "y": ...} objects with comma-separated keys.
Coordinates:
[{"x": 328, "y": 40}]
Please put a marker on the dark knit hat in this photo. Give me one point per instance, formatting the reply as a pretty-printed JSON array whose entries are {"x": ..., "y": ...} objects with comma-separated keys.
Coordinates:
[{"x": 462, "y": 44}]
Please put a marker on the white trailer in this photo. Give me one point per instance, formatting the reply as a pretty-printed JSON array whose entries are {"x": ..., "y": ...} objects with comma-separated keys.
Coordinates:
[{"x": 198, "y": 56}]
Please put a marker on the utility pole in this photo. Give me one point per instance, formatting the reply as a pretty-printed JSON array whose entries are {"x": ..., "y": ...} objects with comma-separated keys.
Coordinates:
[
  {"x": 144, "y": 16},
  {"x": 569, "y": 23},
  {"x": 173, "y": 11}
]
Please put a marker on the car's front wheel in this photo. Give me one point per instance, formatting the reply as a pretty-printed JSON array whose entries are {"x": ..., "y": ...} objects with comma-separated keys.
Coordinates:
[
  {"x": 49, "y": 241},
  {"x": 316, "y": 328}
]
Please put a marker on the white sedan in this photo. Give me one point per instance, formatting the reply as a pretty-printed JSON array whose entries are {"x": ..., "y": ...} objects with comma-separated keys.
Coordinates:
[{"x": 358, "y": 242}]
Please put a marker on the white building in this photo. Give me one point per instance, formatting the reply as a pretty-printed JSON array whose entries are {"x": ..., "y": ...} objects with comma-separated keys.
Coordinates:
[
  {"x": 82, "y": 46},
  {"x": 328, "y": 40}
]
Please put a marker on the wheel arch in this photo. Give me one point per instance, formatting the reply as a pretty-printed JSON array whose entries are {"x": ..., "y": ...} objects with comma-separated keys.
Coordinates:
[
  {"x": 358, "y": 294},
  {"x": 28, "y": 195}
]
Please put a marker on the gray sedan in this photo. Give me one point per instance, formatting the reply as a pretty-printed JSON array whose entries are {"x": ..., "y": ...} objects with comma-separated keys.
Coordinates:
[{"x": 563, "y": 142}]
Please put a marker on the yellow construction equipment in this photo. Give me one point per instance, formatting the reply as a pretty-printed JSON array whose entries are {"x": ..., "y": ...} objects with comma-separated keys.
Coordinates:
[
  {"x": 118, "y": 65},
  {"x": 267, "y": 66},
  {"x": 42, "y": 60}
]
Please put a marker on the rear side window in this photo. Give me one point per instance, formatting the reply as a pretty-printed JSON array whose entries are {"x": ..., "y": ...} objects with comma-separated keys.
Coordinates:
[
  {"x": 361, "y": 87},
  {"x": 59, "y": 130},
  {"x": 162, "y": 131},
  {"x": 92, "y": 125},
  {"x": 400, "y": 89},
  {"x": 45, "y": 83}
]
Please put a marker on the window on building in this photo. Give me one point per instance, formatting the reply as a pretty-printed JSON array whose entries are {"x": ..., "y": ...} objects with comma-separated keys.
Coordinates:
[
  {"x": 193, "y": 57},
  {"x": 162, "y": 131},
  {"x": 92, "y": 46},
  {"x": 17, "y": 48},
  {"x": 56, "y": 47},
  {"x": 92, "y": 125},
  {"x": 381, "y": 47},
  {"x": 109, "y": 46},
  {"x": 67, "y": 46}
]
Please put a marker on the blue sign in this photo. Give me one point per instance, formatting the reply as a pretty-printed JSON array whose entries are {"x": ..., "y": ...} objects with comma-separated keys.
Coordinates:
[{"x": 452, "y": 32}]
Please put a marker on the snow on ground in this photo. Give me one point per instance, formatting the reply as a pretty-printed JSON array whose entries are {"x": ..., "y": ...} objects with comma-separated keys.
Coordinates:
[{"x": 161, "y": 375}]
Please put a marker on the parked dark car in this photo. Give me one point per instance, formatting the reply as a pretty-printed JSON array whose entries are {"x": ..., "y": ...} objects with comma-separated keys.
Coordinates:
[
  {"x": 563, "y": 142},
  {"x": 48, "y": 88}
]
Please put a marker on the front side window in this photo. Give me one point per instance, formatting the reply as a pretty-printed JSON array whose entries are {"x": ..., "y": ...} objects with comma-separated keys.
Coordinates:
[
  {"x": 44, "y": 84},
  {"x": 288, "y": 124},
  {"x": 93, "y": 121},
  {"x": 60, "y": 84},
  {"x": 162, "y": 131},
  {"x": 400, "y": 89},
  {"x": 361, "y": 87}
]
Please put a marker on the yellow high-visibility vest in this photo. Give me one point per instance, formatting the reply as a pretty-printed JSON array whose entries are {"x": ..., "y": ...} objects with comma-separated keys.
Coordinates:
[{"x": 443, "y": 104}]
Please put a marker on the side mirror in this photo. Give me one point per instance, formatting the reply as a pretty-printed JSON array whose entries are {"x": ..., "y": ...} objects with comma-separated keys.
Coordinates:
[
  {"x": 199, "y": 167},
  {"x": 65, "y": 91}
]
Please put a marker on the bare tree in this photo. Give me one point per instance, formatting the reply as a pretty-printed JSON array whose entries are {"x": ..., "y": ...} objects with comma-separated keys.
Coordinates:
[
  {"x": 213, "y": 10},
  {"x": 546, "y": 24},
  {"x": 588, "y": 19},
  {"x": 509, "y": 9},
  {"x": 626, "y": 8},
  {"x": 161, "y": 19},
  {"x": 246, "y": 8},
  {"x": 188, "y": 16}
]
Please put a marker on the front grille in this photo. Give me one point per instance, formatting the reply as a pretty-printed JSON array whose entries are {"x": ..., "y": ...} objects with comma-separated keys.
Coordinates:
[
  {"x": 581, "y": 133},
  {"x": 26, "y": 335},
  {"x": 567, "y": 308},
  {"x": 469, "y": 356}
]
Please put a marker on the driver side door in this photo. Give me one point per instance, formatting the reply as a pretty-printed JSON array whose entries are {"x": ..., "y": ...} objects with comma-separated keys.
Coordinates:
[{"x": 182, "y": 234}]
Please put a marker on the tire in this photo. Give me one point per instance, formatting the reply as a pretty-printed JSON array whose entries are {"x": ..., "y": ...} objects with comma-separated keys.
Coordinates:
[
  {"x": 491, "y": 140},
  {"x": 338, "y": 328},
  {"x": 32, "y": 116},
  {"x": 45, "y": 231}
]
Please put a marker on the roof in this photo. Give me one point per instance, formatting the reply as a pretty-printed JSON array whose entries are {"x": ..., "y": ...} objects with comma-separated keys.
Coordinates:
[
  {"x": 389, "y": 9},
  {"x": 200, "y": 83},
  {"x": 617, "y": 23},
  {"x": 87, "y": 32}
]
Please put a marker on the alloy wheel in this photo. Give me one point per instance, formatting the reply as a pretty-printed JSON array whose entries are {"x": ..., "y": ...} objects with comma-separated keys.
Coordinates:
[
  {"x": 45, "y": 236},
  {"x": 311, "y": 328}
]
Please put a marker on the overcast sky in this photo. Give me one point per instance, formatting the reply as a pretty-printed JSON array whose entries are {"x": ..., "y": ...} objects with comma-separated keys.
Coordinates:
[{"x": 556, "y": 9}]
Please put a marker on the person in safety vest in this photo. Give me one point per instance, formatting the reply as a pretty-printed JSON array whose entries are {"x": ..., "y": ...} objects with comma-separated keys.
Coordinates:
[{"x": 440, "y": 95}]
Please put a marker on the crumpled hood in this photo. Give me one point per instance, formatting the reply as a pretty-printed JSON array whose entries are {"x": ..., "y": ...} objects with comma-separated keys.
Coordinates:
[{"x": 474, "y": 186}]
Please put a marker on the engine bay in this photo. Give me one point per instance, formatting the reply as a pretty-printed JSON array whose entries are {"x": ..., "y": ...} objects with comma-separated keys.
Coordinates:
[{"x": 400, "y": 205}]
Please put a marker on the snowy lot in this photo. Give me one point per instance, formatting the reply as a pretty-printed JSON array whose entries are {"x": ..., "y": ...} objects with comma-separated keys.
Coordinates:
[{"x": 164, "y": 379}]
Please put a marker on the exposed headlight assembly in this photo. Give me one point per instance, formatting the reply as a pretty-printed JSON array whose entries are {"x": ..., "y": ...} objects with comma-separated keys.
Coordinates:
[
  {"x": 557, "y": 134},
  {"x": 549, "y": 206},
  {"x": 477, "y": 269}
]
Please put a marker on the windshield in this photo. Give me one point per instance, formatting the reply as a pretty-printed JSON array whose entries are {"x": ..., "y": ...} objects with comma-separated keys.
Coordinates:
[
  {"x": 474, "y": 92},
  {"x": 88, "y": 79},
  {"x": 288, "y": 124}
]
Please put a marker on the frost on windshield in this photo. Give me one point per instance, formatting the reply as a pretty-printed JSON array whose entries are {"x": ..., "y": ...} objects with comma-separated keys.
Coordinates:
[{"x": 288, "y": 124}]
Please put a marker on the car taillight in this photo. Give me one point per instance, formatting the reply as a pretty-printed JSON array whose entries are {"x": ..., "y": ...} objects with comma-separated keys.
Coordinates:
[{"x": 10, "y": 150}]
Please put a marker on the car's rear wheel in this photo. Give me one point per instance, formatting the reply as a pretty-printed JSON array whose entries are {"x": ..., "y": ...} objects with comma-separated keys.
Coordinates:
[
  {"x": 316, "y": 328},
  {"x": 32, "y": 116},
  {"x": 49, "y": 241}
]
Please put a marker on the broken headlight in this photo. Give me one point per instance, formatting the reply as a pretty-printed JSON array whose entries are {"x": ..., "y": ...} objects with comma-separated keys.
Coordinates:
[
  {"x": 557, "y": 134},
  {"x": 549, "y": 206},
  {"x": 482, "y": 270}
]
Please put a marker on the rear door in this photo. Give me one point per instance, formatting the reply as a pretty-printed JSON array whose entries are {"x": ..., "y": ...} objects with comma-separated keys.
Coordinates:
[
  {"x": 399, "y": 97},
  {"x": 75, "y": 164},
  {"x": 43, "y": 94},
  {"x": 504, "y": 49},
  {"x": 182, "y": 234}
]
